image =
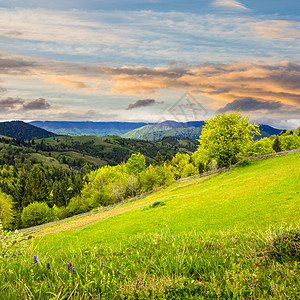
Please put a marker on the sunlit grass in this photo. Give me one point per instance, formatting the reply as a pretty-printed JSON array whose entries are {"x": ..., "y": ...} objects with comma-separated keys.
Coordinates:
[{"x": 213, "y": 239}]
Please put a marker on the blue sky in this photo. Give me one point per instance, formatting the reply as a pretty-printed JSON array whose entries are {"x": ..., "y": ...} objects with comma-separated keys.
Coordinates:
[{"x": 91, "y": 60}]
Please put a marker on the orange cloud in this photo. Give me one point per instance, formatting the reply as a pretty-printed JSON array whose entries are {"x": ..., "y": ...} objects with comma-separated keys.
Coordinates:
[
  {"x": 276, "y": 29},
  {"x": 67, "y": 83},
  {"x": 221, "y": 82}
]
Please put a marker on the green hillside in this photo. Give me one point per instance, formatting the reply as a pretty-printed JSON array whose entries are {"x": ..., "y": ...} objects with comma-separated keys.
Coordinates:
[
  {"x": 255, "y": 195},
  {"x": 228, "y": 236}
]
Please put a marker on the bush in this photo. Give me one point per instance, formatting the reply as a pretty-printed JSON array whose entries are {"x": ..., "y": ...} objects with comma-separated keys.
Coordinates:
[
  {"x": 8, "y": 242},
  {"x": 78, "y": 205},
  {"x": 286, "y": 246},
  {"x": 37, "y": 213}
]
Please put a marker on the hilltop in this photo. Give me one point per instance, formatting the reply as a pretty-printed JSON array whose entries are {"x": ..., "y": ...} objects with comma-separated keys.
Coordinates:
[{"x": 22, "y": 130}]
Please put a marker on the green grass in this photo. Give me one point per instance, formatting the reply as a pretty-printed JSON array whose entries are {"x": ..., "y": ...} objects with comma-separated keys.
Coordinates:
[
  {"x": 213, "y": 239},
  {"x": 261, "y": 194}
]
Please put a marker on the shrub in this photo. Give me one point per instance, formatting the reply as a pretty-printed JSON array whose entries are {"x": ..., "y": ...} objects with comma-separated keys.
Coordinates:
[
  {"x": 7, "y": 241},
  {"x": 286, "y": 246},
  {"x": 60, "y": 212},
  {"x": 78, "y": 205},
  {"x": 37, "y": 213}
]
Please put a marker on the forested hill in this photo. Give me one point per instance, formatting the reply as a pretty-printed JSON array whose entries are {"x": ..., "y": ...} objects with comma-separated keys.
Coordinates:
[
  {"x": 114, "y": 149},
  {"x": 88, "y": 128},
  {"x": 22, "y": 130},
  {"x": 87, "y": 152},
  {"x": 181, "y": 130}
]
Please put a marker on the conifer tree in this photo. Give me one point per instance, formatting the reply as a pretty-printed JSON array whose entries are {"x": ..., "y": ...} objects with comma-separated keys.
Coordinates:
[
  {"x": 36, "y": 189},
  {"x": 276, "y": 145},
  {"x": 157, "y": 160}
]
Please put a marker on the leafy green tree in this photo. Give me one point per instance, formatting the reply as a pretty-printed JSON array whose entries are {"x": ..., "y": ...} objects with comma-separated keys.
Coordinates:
[
  {"x": 37, "y": 213},
  {"x": 260, "y": 147},
  {"x": 182, "y": 166},
  {"x": 289, "y": 142},
  {"x": 225, "y": 136},
  {"x": 136, "y": 164}
]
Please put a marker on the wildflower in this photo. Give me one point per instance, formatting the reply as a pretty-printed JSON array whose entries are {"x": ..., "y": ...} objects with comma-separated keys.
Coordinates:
[
  {"x": 102, "y": 265},
  {"x": 73, "y": 270},
  {"x": 48, "y": 266},
  {"x": 117, "y": 272},
  {"x": 69, "y": 265},
  {"x": 85, "y": 269},
  {"x": 137, "y": 283},
  {"x": 35, "y": 259}
]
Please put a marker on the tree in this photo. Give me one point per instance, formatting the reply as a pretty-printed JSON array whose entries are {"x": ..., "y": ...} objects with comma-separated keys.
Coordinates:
[
  {"x": 224, "y": 136},
  {"x": 36, "y": 188},
  {"x": 37, "y": 213},
  {"x": 136, "y": 164},
  {"x": 157, "y": 160},
  {"x": 276, "y": 145}
]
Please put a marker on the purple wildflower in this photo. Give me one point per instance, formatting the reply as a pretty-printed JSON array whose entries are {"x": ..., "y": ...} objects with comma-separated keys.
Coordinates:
[
  {"x": 137, "y": 283},
  {"x": 73, "y": 270},
  {"x": 117, "y": 272},
  {"x": 35, "y": 259},
  {"x": 69, "y": 265},
  {"x": 85, "y": 269},
  {"x": 48, "y": 266},
  {"x": 102, "y": 265}
]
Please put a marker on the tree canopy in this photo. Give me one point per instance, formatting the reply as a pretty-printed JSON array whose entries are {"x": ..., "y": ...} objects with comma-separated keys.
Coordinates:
[{"x": 225, "y": 136}]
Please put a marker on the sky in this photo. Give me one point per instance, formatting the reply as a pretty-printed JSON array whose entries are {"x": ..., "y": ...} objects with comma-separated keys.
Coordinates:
[{"x": 151, "y": 60}]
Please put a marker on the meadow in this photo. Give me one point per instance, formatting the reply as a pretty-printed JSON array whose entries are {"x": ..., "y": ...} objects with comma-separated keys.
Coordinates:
[{"x": 233, "y": 235}]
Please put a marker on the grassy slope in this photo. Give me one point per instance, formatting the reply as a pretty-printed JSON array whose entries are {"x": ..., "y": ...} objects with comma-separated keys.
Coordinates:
[{"x": 255, "y": 196}]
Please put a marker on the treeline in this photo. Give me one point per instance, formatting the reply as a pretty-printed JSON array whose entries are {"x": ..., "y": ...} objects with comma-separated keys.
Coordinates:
[{"x": 20, "y": 188}]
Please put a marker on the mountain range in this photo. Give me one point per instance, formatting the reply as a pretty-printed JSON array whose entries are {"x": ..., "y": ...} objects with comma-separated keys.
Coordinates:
[
  {"x": 88, "y": 128},
  {"x": 142, "y": 131}
]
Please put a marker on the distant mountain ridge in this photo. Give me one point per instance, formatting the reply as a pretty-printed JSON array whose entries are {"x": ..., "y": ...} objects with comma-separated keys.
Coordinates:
[
  {"x": 136, "y": 130},
  {"x": 181, "y": 130},
  {"x": 22, "y": 130},
  {"x": 88, "y": 127}
]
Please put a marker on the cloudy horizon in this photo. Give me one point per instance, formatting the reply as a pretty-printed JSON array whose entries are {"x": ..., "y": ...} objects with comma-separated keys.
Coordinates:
[{"x": 106, "y": 61}]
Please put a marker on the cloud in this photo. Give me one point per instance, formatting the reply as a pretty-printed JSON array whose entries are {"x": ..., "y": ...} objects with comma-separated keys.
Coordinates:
[
  {"x": 276, "y": 29},
  {"x": 66, "y": 82},
  {"x": 142, "y": 103},
  {"x": 229, "y": 4},
  {"x": 250, "y": 104},
  {"x": 10, "y": 103},
  {"x": 15, "y": 66},
  {"x": 2, "y": 90},
  {"x": 19, "y": 105},
  {"x": 13, "y": 33},
  {"x": 38, "y": 104},
  {"x": 221, "y": 82}
]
